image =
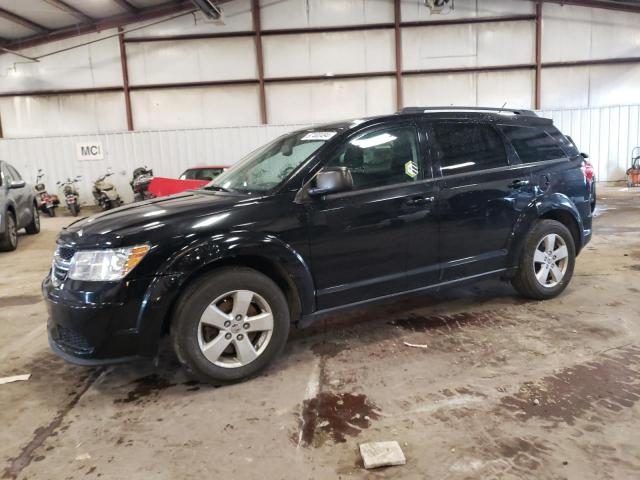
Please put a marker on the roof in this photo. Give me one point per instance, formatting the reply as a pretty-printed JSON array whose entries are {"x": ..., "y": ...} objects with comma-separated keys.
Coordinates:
[{"x": 25, "y": 23}]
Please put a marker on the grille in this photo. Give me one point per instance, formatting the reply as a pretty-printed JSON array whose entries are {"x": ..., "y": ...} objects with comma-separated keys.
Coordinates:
[
  {"x": 73, "y": 340},
  {"x": 61, "y": 263}
]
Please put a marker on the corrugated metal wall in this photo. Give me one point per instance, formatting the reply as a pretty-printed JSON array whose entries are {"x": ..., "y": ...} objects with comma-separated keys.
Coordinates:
[
  {"x": 168, "y": 152},
  {"x": 607, "y": 134}
]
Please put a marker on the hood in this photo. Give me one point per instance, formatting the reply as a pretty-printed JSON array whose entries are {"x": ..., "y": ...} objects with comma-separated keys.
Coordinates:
[{"x": 147, "y": 220}]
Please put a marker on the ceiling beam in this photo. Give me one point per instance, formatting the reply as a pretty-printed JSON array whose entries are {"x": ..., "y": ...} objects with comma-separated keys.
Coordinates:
[
  {"x": 25, "y": 22},
  {"x": 621, "y": 7},
  {"x": 143, "y": 15},
  {"x": 127, "y": 6},
  {"x": 65, "y": 7}
]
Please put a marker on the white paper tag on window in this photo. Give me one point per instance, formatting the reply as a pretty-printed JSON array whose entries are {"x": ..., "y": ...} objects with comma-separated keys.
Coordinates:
[{"x": 318, "y": 135}]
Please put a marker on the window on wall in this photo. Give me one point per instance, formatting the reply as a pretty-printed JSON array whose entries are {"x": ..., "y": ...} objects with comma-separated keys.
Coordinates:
[
  {"x": 379, "y": 158},
  {"x": 463, "y": 147},
  {"x": 532, "y": 144}
]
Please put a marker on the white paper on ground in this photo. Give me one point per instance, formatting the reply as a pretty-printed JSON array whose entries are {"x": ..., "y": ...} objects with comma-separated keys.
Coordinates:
[{"x": 15, "y": 378}]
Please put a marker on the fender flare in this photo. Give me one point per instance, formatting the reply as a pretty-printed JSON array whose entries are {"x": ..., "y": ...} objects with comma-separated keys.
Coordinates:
[
  {"x": 201, "y": 256},
  {"x": 539, "y": 208}
]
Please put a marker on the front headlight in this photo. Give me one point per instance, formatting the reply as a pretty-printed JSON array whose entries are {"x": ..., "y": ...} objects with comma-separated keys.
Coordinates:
[{"x": 105, "y": 265}]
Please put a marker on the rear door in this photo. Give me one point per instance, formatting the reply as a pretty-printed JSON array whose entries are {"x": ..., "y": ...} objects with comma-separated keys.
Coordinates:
[
  {"x": 358, "y": 239},
  {"x": 484, "y": 189}
]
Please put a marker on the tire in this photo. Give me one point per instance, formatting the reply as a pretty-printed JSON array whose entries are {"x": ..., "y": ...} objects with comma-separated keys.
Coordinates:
[
  {"x": 9, "y": 239},
  {"x": 52, "y": 212},
  {"x": 228, "y": 289},
  {"x": 526, "y": 282},
  {"x": 75, "y": 209},
  {"x": 34, "y": 225}
]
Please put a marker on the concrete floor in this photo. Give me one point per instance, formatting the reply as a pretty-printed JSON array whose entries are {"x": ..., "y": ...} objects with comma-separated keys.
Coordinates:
[{"x": 507, "y": 388}]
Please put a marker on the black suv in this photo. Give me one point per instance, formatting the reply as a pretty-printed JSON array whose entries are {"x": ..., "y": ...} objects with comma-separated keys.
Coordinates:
[{"x": 317, "y": 221}]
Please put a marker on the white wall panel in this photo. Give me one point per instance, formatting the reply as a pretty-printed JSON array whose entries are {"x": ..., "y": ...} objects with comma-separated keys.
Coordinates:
[
  {"x": 513, "y": 88},
  {"x": 565, "y": 87},
  {"x": 598, "y": 86},
  {"x": 62, "y": 114},
  {"x": 191, "y": 60},
  {"x": 236, "y": 17},
  {"x": 95, "y": 65},
  {"x": 607, "y": 134},
  {"x": 579, "y": 33},
  {"x": 330, "y": 100},
  {"x": 456, "y": 89},
  {"x": 316, "y": 54},
  {"x": 317, "y": 13},
  {"x": 413, "y": 10},
  {"x": 454, "y": 46},
  {"x": 169, "y": 153},
  {"x": 195, "y": 107}
]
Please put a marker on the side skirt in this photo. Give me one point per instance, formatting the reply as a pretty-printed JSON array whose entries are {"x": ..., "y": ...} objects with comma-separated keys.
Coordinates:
[{"x": 307, "y": 320}]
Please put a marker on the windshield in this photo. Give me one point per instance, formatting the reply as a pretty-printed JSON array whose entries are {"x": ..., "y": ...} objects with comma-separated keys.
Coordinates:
[{"x": 267, "y": 167}]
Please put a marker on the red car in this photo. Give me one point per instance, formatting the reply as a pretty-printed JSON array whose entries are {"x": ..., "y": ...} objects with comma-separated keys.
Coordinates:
[{"x": 191, "y": 178}]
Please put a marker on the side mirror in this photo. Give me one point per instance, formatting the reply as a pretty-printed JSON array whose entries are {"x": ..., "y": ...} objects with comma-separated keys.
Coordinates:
[
  {"x": 332, "y": 180},
  {"x": 17, "y": 184},
  {"x": 584, "y": 155}
]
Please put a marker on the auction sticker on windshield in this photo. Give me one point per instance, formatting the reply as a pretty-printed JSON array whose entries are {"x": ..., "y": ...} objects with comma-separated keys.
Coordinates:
[{"x": 318, "y": 135}]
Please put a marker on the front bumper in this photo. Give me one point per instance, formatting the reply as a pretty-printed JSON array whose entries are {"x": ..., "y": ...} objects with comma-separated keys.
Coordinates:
[{"x": 93, "y": 323}]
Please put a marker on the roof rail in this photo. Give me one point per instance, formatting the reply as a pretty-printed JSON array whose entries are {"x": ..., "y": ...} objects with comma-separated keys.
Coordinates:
[{"x": 528, "y": 113}]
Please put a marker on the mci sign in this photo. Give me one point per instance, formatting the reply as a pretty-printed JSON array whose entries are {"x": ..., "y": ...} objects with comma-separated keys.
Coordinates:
[{"x": 89, "y": 151}]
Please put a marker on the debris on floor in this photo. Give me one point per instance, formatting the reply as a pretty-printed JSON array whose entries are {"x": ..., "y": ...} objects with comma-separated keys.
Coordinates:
[
  {"x": 83, "y": 456},
  {"x": 381, "y": 454},
  {"x": 15, "y": 378},
  {"x": 416, "y": 345}
]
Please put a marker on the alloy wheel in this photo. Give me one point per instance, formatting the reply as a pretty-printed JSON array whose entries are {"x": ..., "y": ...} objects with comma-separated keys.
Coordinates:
[
  {"x": 550, "y": 260},
  {"x": 235, "y": 329}
]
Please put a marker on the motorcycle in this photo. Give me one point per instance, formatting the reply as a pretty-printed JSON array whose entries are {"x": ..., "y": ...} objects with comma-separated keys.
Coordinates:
[
  {"x": 71, "y": 197},
  {"x": 142, "y": 177},
  {"x": 105, "y": 192},
  {"x": 47, "y": 203}
]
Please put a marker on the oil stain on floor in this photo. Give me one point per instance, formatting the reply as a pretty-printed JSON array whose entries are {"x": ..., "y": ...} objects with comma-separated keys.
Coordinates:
[
  {"x": 612, "y": 382},
  {"x": 334, "y": 416}
]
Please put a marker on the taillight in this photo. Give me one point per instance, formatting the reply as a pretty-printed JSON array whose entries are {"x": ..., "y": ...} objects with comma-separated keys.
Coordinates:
[{"x": 587, "y": 171}]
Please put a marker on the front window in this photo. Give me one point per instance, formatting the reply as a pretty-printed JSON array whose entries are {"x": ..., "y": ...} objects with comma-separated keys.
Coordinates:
[{"x": 267, "y": 167}]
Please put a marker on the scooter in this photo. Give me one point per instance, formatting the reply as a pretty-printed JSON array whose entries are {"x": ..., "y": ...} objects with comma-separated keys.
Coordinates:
[
  {"x": 142, "y": 177},
  {"x": 105, "y": 192},
  {"x": 71, "y": 197},
  {"x": 47, "y": 203}
]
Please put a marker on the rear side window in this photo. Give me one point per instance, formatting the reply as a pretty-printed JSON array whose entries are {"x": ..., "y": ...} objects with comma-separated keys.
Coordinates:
[
  {"x": 567, "y": 146},
  {"x": 467, "y": 147},
  {"x": 533, "y": 144}
]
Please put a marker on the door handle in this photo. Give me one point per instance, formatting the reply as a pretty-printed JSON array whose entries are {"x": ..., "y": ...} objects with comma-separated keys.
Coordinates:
[
  {"x": 414, "y": 201},
  {"x": 518, "y": 183}
]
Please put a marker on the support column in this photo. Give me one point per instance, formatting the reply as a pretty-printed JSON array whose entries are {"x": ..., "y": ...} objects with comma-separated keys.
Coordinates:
[
  {"x": 398, "y": 41},
  {"x": 538, "y": 53},
  {"x": 257, "y": 29},
  {"x": 125, "y": 79}
]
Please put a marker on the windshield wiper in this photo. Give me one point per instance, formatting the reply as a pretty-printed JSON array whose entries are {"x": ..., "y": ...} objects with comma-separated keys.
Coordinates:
[{"x": 217, "y": 188}]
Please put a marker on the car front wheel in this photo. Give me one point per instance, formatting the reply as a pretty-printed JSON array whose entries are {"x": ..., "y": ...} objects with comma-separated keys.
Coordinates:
[
  {"x": 230, "y": 325},
  {"x": 547, "y": 261}
]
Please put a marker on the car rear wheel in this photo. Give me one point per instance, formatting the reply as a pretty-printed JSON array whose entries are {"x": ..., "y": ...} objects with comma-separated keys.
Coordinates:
[
  {"x": 546, "y": 262},
  {"x": 34, "y": 225},
  {"x": 230, "y": 325},
  {"x": 9, "y": 239}
]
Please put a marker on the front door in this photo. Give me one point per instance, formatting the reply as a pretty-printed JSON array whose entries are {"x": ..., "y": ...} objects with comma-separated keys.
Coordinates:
[
  {"x": 484, "y": 190},
  {"x": 358, "y": 239}
]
